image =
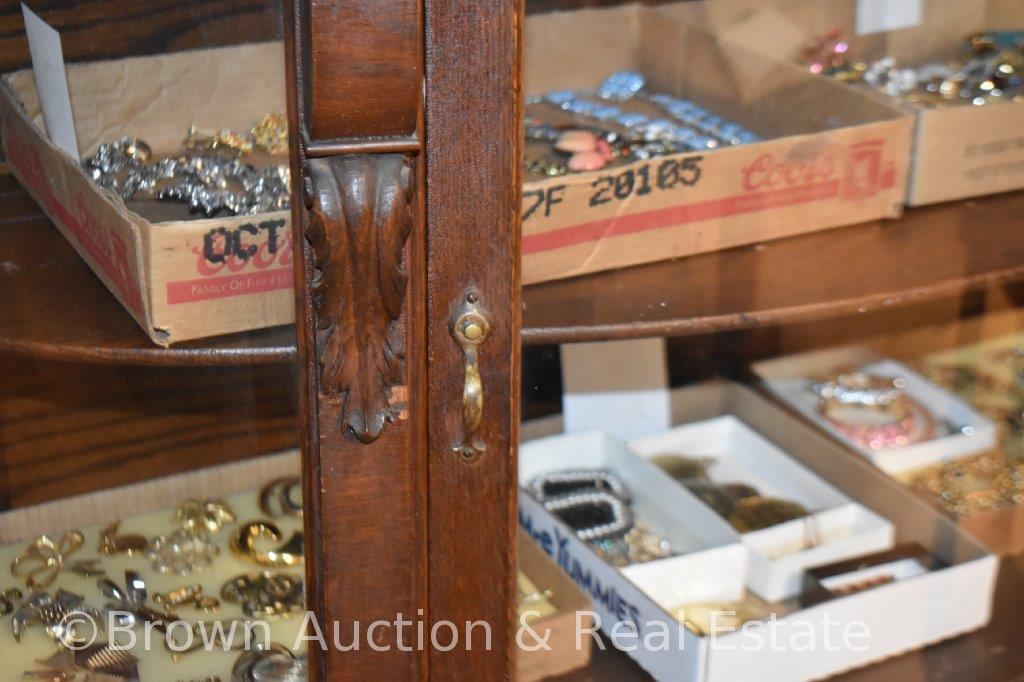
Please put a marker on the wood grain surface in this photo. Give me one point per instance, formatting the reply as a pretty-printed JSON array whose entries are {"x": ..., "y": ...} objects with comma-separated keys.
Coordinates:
[
  {"x": 361, "y": 298},
  {"x": 473, "y": 153},
  {"x": 69, "y": 428},
  {"x": 104, "y": 29}
]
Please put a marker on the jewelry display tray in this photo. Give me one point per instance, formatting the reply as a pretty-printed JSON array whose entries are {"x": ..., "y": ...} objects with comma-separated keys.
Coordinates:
[
  {"x": 899, "y": 616},
  {"x": 1001, "y": 530},
  {"x": 158, "y": 497},
  {"x": 965, "y": 431},
  {"x": 841, "y": 527},
  {"x": 147, "y": 508},
  {"x": 180, "y": 279}
]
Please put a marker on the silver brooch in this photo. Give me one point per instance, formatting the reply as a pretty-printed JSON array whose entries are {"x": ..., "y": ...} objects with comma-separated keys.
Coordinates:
[
  {"x": 58, "y": 614},
  {"x": 128, "y": 604},
  {"x": 274, "y": 663},
  {"x": 182, "y": 552},
  {"x": 556, "y": 483},
  {"x": 594, "y": 515}
]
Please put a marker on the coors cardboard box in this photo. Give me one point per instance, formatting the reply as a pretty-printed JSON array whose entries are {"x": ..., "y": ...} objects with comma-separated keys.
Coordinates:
[
  {"x": 959, "y": 151},
  {"x": 829, "y": 155},
  {"x": 180, "y": 278}
]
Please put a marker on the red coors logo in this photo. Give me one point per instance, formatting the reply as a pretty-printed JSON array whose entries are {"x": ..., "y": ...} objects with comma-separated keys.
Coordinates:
[
  {"x": 767, "y": 172},
  {"x": 858, "y": 171}
]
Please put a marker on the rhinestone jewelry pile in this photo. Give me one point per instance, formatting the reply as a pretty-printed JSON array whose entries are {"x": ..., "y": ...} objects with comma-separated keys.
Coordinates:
[
  {"x": 988, "y": 67},
  {"x": 620, "y": 121},
  {"x": 597, "y": 505},
  {"x": 209, "y": 175}
]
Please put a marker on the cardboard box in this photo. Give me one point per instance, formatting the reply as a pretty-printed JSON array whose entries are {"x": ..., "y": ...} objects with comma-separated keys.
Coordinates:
[
  {"x": 894, "y": 614},
  {"x": 179, "y": 278},
  {"x": 959, "y": 151},
  {"x": 963, "y": 431},
  {"x": 562, "y": 655},
  {"x": 818, "y": 167},
  {"x": 830, "y": 156},
  {"x": 949, "y": 338}
]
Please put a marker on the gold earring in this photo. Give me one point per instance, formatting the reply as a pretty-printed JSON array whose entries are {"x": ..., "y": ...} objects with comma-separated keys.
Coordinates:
[{"x": 243, "y": 544}]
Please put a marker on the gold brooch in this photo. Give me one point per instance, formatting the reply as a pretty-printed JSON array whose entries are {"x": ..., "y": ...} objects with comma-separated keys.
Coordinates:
[
  {"x": 205, "y": 515},
  {"x": 45, "y": 558},
  {"x": 111, "y": 543},
  {"x": 271, "y": 134},
  {"x": 282, "y": 497},
  {"x": 189, "y": 595}
]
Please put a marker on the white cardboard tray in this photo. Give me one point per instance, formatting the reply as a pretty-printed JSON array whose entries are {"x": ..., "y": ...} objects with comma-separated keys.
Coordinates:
[
  {"x": 968, "y": 431},
  {"x": 838, "y": 527},
  {"x": 900, "y": 616}
]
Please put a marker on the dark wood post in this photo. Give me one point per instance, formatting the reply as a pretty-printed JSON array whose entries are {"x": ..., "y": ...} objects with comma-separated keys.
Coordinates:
[{"x": 405, "y": 157}]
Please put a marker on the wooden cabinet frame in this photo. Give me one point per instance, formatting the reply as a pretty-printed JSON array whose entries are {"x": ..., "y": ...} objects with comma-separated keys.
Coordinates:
[
  {"x": 406, "y": 165},
  {"x": 406, "y": 178}
]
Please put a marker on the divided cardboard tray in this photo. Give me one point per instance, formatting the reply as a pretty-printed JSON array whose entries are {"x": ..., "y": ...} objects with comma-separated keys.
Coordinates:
[
  {"x": 856, "y": 511},
  {"x": 829, "y": 157},
  {"x": 965, "y": 431}
]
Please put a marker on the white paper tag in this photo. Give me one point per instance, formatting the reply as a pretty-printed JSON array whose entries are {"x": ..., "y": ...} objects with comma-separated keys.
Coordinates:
[
  {"x": 619, "y": 387},
  {"x": 51, "y": 81},
  {"x": 876, "y": 16}
]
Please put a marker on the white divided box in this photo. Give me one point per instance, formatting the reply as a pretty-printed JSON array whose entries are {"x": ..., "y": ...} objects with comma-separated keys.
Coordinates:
[
  {"x": 809, "y": 644},
  {"x": 709, "y": 566},
  {"x": 657, "y": 502},
  {"x": 962, "y": 430},
  {"x": 837, "y": 528}
]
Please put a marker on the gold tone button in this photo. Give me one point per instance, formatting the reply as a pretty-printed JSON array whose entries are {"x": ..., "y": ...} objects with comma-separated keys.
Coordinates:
[{"x": 472, "y": 331}]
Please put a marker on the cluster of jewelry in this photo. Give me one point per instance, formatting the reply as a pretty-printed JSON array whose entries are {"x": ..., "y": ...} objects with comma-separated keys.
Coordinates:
[
  {"x": 988, "y": 68},
  {"x": 873, "y": 412},
  {"x": 992, "y": 480},
  {"x": 209, "y": 175},
  {"x": 581, "y": 130},
  {"x": 596, "y": 504},
  {"x": 76, "y": 626},
  {"x": 742, "y": 505}
]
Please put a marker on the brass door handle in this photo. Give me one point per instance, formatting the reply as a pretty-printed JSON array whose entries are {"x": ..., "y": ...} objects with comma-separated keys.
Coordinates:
[{"x": 469, "y": 328}]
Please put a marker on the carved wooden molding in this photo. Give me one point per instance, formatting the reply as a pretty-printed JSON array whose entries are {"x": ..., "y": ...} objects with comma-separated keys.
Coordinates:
[{"x": 361, "y": 214}]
